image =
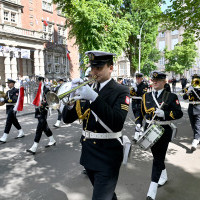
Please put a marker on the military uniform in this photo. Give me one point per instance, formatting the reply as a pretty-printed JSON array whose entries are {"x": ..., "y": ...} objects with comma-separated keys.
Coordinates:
[
  {"x": 102, "y": 157},
  {"x": 10, "y": 100},
  {"x": 171, "y": 111},
  {"x": 194, "y": 112},
  {"x": 41, "y": 113}
]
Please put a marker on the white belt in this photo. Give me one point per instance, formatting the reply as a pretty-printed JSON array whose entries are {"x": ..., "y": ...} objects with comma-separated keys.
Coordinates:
[
  {"x": 92, "y": 135},
  {"x": 159, "y": 122},
  {"x": 194, "y": 102},
  {"x": 9, "y": 104},
  {"x": 134, "y": 97}
]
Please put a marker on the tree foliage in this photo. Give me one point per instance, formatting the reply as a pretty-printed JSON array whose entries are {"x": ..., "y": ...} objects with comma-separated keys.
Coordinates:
[
  {"x": 183, "y": 13},
  {"x": 183, "y": 56}
]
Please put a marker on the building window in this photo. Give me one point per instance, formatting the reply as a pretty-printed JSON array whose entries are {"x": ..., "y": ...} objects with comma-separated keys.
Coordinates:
[
  {"x": 174, "y": 42},
  {"x": 44, "y": 28},
  {"x": 57, "y": 68},
  {"x": 6, "y": 15},
  {"x": 122, "y": 69},
  {"x": 162, "y": 61},
  {"x": 47, "y": 5},
  {"x": 13, "y": 17},
  {"x": 49, "y": 58},
  {"x": 161, "y": 45},
  {"x": 49, "y": 68},
  {"x": 57, "y": 59},
  {"x": 175, "y": 32},
  {"x": 162, "y": 34}
]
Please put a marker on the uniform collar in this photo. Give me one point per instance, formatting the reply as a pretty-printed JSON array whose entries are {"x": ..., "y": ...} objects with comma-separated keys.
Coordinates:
[
  {"x": 104, "y": 83},
  {"x": 159, "y": 92}
]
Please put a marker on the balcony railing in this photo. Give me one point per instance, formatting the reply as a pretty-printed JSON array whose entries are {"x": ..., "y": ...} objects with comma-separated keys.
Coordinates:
[{"x": 21, "y": 32}]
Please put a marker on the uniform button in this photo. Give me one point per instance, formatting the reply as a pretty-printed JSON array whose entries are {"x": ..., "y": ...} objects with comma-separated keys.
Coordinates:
[
  {"x": 94, "y": 142},
  {"x": 95, "y": 131},
  {"x": 84, "y": 139}
]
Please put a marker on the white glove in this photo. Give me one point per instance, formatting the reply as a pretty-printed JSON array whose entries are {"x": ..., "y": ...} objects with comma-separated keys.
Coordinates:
[
  {"x": 134, "y": 86},
  {"x": 160, "y": 113},
  {"x": 86, "y": 92},
  {"x": 1, "y": 99},
  {"x": 76, "y": 82},
  {"x": 138, "y": 127},
  {"x": 190, "y": 89}
]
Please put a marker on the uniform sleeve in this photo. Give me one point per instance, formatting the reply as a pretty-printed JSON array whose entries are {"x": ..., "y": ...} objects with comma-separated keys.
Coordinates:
[
  {"x": 175, "y": 111},
  {"x": 69, "y": 116},
  {"x": 113, "y": 116},
  {"x": 132, "y": 92},
  {"x": 185, "y": 96}
]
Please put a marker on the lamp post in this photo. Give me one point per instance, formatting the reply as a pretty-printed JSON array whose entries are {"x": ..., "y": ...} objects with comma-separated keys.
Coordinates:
[{"x": 139, "y": 37}]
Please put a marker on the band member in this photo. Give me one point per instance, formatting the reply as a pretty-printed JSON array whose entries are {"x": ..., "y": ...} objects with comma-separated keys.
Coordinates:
[
  {"x": 170, "y": 110},
  {"x": 58, "y": 122},
  {"x": 11, "y": 100},
  {"x": 136, "y": 92},
  {"x": 193, "y": 94},
  {"x": 104, "y": 112},
  {"x": 41, "y": 112}
]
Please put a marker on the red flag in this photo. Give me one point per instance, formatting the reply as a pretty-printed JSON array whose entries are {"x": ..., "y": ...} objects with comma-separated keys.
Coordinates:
[
  {"x": 38, "y": 97},
  {"x": 45, "y": 22},
  {"x": 68, "y": 55},
  {"x": 20, "y": 100}
]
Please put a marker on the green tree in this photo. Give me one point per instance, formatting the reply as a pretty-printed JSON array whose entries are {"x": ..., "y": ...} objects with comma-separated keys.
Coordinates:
[
  {"x": 183, "y": 13},
  {"x": 183, "y": 56}
]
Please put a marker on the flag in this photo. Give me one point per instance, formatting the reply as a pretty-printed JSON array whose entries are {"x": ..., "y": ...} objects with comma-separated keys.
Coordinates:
[
  {"x": 68, "y": 56},
  {"x": 45, "y": 23},
  {"x": 38, "y": 98},
  {"x": 20, "y": 100}
]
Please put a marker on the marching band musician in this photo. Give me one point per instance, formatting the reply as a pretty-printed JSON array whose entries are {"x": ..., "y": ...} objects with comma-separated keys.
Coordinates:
[
  {"x": 11, "y": 100},
  {"x": 193, "y": 94},
  {"x": 136, "y": 92},
  {"x": 105, "y": 109},
  {"x": 41, "y": 112},
  {"x": 170, "y": 110},
  {"x": 60, "y": 82}
]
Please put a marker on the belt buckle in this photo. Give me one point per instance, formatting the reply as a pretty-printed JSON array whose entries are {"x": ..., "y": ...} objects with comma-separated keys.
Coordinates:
[{"x": 87, "y": 134}]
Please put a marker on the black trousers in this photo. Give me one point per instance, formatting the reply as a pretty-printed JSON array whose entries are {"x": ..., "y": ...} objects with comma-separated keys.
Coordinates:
[
  {"x": 136, "y": 108},
  {"x": 59, "y": 115},
  {"x": 42, "y": 126},
  {"x": 159, "y": 150},
  {"x": 104, "y": 184},
  {"x": 11, "y": 119},
  {"x": 195, "y": 124}
]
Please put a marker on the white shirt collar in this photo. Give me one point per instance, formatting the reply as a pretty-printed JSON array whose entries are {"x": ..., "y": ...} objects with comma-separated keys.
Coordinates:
[
  {"x": 104, "y": 83},
  {"x": 159, "y": 92}
]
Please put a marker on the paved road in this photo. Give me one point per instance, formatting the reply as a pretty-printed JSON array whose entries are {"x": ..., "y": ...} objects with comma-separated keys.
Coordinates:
[{"x": 55, "y": 173}]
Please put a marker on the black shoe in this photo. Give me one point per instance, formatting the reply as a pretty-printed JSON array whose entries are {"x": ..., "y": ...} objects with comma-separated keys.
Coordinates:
[
  {"x": 2, "y": 142},
  {"x": 149, "y": 198},
  {"x": 193, "y": 149},
  {"x": 20, "y": 137},
  {"x": 54, "y": 144},
  {"x": 29, "y": 151}
]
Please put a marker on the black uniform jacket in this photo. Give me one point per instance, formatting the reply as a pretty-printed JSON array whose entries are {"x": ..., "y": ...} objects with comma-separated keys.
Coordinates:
[
  {"x": 193, "y": 109},
  {"x": 43, "y": 109},
  {"x": 111, "y": 106},
  {"x": 11, "y": 98},
  {"x": 141, "y": 89},
  {"x": 171, "y": 108}
]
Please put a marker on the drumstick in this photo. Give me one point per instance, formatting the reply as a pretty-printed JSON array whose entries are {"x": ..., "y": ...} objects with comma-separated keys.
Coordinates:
[{"x": 155, "y": 115}]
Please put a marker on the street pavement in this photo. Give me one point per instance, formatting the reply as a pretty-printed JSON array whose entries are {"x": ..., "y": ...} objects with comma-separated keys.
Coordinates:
[{"x": 55, "y": 173}]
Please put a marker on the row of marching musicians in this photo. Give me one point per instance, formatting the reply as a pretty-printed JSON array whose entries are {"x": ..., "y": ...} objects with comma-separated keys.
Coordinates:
[{"x": 103, "y": 107}]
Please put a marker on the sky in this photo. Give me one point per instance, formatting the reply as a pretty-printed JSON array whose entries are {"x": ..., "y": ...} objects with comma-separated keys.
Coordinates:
[{"x": 164, "y": 6}]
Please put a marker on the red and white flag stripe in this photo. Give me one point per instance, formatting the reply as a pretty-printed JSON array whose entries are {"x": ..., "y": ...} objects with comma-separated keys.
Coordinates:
[
  {"x": 38, "y": 98},
  {"x": 20, "y": 100}
]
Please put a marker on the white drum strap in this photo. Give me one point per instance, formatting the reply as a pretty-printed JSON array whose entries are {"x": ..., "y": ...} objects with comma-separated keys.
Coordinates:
[{"x": 154, "y": 98}]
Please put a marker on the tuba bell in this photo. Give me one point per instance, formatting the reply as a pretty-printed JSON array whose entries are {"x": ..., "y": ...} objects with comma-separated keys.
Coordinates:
[
  {"x": 2, "y": 95},
  {"x": 196, "y": 82}
]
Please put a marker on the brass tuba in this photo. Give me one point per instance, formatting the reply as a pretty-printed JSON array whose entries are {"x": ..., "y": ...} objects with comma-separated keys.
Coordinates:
[
  {"x": 196, "y": 82},
  {"x": 63, "y": 94},
  {"x": 2, "y": 95}
]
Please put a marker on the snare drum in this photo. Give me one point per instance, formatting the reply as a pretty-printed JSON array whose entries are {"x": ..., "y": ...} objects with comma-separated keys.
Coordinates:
[{"x": 150, "y": 136}]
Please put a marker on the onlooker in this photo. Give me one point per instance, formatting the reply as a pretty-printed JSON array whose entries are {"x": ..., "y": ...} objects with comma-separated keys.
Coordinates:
[
  {"x": 183, "y": 82},
  {"x": 173, "y": 84}
]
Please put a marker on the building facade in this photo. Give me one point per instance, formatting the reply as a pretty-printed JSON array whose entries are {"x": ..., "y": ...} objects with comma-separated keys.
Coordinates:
[{"x": 33, "y": 41}]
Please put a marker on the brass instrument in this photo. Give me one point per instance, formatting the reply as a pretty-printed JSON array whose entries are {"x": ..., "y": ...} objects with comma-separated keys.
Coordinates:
[
  {"x": 196, "y": 82},
  {"x": 2, "y": 95},
  {"x": 63, "y": 94}
]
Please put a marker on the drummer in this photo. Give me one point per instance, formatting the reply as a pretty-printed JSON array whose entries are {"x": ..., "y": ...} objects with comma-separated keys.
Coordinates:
[{"x": 170, "y": 110}]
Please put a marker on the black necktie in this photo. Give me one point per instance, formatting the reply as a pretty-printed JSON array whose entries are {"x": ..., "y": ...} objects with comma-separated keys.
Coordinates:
[
  {"x": 98, "y": 86},
  {"x": 156, "y": 94}
]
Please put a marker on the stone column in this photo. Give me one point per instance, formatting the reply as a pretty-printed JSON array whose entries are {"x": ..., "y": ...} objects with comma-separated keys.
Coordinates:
[
  {"x": 36, "y": 62},
  {"x": 14, "y": 68},
  {"x": 7, "y": 66},
  {"x": 41, "y": 58}
]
